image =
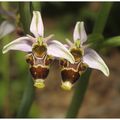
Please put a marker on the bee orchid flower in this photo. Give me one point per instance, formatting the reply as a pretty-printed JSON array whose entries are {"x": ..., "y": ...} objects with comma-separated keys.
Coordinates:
[
  {"x": 41, "y": 51},
  {"x": 84, "y": 57}
]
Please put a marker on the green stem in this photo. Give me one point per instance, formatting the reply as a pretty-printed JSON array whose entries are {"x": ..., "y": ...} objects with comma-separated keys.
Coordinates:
[
  {"x": 79, "y": 95},
  {"x": 36, "y": 6},
  {"x": 28, "y": 95},
  {"x": 102, "y": 17},
  {"x": 83, "y": 82},
  {"x": 25, "y": 15},
  {"x": 27, "y": 99}
]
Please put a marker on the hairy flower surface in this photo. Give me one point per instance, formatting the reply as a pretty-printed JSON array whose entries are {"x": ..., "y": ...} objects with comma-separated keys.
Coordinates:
[
  {"x": 84, "y": 57},
  {"x": 41, "y": 51}
]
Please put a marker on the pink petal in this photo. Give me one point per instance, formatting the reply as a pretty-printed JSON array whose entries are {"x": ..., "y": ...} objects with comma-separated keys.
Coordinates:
[
  {"x": 57, "y": 49},
  {"x": 79, "y": 32},
  {"x": 95, "y": 61},
  {"x": 67, "y": 46},
  {"x": 36, "y": 26},
  {"x": 22, "y": 44}
]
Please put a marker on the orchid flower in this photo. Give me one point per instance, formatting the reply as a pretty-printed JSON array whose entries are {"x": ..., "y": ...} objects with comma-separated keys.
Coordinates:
[
  {"x": 41, "y": 51},
  {"x": 84, "y": 57}
]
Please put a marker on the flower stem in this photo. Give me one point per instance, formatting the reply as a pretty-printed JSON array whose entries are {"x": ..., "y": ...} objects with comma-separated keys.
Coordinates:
[
  {"x": 36, "y": 6},
  {"x": 28, "y": 95},
  {"x": 25, "y": 15},
  {"x": 102, "y": 17},
  {"x": 84, "y": 80},
  {"x": 27, "y": 99},
  {"x": 78, "y": 95}
]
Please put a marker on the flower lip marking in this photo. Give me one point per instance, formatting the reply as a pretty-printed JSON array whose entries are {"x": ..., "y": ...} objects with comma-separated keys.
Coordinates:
[
  {"x": 70, "y": 75},
  {"x": 39, "y": 72},
  {"x": 39, "y": 68}
]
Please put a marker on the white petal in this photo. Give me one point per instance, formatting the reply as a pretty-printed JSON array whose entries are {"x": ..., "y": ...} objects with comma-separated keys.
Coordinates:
[
  {"x": 57, "y": 49},
  {"x": 36, "y": 26},
  {"x": 95, "y": 61},
  {"x": 5, "y": 28},
  {"x": 79, "y": 32},
  {"x": 22, "y": 44}
]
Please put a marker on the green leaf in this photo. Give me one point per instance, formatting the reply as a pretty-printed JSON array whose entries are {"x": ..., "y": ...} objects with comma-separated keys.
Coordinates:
[{"x": 111, "y": 42}]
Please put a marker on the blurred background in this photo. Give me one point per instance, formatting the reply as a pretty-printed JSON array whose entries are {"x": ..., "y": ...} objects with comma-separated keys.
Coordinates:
[{"x": 103, "y": 94}]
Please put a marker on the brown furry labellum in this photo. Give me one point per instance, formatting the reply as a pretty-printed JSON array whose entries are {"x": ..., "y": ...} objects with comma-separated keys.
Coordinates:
[
  {"x": 70, "y": 73},
  {"x": 39, "y": 63}
]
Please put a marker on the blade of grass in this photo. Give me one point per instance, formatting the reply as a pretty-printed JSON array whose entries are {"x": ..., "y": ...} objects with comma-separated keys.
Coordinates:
[{"x": 83, "y": 82}]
